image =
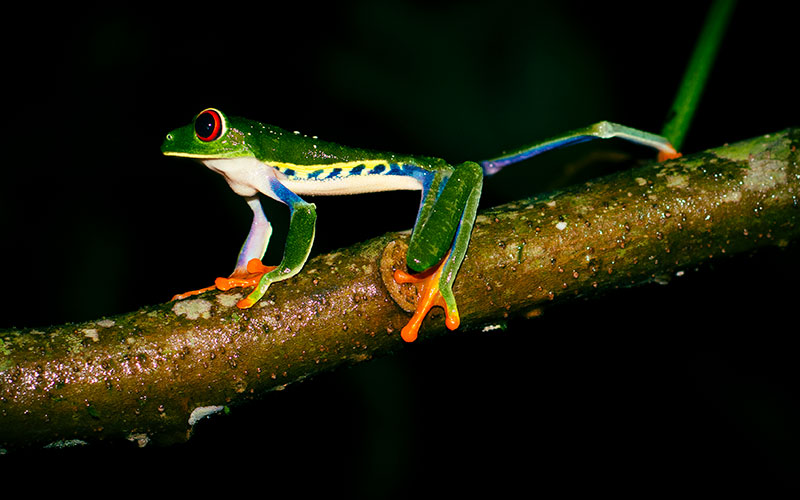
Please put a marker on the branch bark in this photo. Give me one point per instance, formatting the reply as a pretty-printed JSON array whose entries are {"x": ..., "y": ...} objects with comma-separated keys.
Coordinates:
[{"x": 149, "y": 375}]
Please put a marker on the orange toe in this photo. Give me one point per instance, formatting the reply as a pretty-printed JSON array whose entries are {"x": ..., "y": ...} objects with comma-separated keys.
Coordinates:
[
  {"x": 226, "y": 284},
  {"x": 666, "y": 155},
  {"x": 181, "y": 296},
  {"x": 429, "y": 296},
  {"x": 256, "y": 267},
  {"x": 245, "y": 303}
]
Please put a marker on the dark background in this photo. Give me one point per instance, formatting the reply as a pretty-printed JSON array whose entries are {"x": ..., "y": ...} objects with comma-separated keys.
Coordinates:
[{"x": 688, "y": 387}]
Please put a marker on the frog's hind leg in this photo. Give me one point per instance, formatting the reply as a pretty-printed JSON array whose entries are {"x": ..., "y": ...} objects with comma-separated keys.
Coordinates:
[
  {"x": 448, "y": 219},
  {"x": 600, "y": 130}
]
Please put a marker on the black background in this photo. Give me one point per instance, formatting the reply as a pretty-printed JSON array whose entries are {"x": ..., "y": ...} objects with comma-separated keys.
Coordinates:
[{"x": 688, "y": 387}]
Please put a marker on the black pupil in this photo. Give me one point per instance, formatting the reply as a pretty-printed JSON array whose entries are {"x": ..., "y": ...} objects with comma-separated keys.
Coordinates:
[{"x": 204, "y": 125}]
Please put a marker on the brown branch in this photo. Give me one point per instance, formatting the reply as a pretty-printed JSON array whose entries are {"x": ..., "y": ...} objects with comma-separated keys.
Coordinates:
[{"x": 151, "y": 374}]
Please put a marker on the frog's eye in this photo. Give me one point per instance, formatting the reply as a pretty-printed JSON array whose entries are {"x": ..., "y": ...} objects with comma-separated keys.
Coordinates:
[{"x": 208, "y": 125}]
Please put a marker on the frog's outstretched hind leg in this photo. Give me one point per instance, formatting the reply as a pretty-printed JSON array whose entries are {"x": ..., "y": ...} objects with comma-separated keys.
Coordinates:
[{"x": 600, "y": 130}]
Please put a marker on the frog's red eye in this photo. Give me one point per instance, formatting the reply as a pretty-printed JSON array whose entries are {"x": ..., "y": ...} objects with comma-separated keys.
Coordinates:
[{"x": 208, "y": 125}]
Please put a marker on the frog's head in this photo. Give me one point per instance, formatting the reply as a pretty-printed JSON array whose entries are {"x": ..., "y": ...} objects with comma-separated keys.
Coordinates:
[{"x": 212, "y": 135}]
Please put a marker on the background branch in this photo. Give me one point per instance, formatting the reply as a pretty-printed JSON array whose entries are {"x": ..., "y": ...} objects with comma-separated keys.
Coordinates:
[{"x": 150, "y": 375}]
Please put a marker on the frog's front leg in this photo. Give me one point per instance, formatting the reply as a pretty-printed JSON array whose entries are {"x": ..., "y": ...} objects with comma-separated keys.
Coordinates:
[
  {"x": 439, "y": 243},
  {"x": 248, "y": 268},
  {"x": 299, "y": 239},
  {"x": 257, "y": 240}
]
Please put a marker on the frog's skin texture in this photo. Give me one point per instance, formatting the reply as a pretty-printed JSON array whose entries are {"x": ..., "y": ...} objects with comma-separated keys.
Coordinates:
[{"x": 257, "y": 159}]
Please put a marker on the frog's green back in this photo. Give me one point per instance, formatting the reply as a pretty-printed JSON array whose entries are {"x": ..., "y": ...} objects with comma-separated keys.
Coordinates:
[
  {"x": 274, "y": 144},
  {"x": 240, "y": 137}
]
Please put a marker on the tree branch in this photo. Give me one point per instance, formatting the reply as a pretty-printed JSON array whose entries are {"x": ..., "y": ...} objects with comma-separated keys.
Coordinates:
[{"x": 149, "y": 375}]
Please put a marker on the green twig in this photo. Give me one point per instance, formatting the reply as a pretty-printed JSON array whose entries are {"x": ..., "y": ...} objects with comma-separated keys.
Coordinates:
[{"x": 694, "y": 79}]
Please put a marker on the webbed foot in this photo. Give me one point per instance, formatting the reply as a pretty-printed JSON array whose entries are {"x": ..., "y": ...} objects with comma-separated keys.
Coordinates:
[
  {"x": 248, "y": 278},
  {"x": 429, "y": 296}
]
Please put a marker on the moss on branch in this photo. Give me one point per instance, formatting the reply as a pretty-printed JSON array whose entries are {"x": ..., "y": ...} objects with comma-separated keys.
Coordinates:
[{"x": 150, "y": 375}]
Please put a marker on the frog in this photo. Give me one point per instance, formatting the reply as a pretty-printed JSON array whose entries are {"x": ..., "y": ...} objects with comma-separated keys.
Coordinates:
[{"x": 258, "y": 159}]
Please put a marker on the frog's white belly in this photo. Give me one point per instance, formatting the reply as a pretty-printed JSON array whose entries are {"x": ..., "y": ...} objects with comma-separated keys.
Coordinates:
[
  {"x": 247, "y": 176},
  {"x": 352, "y": 184}
]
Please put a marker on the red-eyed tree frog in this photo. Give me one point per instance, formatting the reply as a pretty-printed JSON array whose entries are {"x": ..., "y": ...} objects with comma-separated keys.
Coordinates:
[{"x": 263, "y": 159}]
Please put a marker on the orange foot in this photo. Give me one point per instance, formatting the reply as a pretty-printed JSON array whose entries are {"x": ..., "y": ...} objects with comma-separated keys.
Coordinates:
[
  {"x": 428, "y": 283},
  {"x": 255, "y": 269},
  {"x": 668, "y": 155}
]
